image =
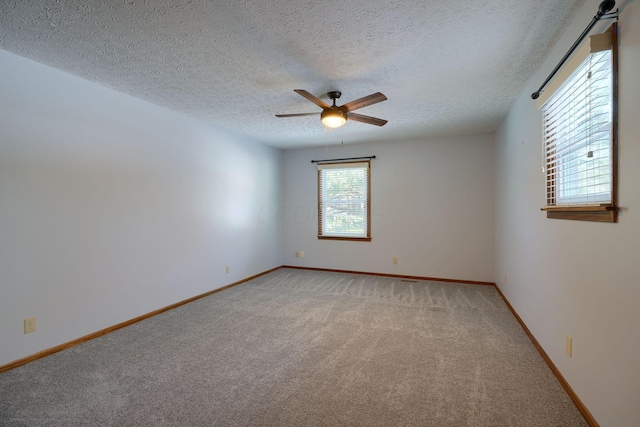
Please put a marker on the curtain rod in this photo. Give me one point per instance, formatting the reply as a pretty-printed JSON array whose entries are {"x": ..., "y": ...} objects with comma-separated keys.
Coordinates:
[
  {"x": 337, "y": 160},
  {"x": 604, "y": 7}
]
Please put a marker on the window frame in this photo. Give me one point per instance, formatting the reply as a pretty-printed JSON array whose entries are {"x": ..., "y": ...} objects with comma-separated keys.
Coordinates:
[
  {"x": 322, "y": 236},
  {"x": 603, "y": 212}
]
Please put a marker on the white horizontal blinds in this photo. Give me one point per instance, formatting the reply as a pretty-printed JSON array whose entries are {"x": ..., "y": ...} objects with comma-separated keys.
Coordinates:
[
  {"x": 577, "y": 129},
  {"x": 343, "y": 203},
  {"x": 593, "y": 44}
]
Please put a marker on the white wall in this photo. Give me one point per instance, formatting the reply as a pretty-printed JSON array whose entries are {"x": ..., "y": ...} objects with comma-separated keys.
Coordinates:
[
  {"x": 111, "y": 207},
  {"x": 432, "y": 208},
  {"x": 573, "y": 277}
]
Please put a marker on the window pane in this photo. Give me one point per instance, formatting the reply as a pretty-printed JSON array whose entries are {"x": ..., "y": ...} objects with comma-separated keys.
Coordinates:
[
  {"x": 344, "y": 205},
  {"x": 577, "y": 136}
]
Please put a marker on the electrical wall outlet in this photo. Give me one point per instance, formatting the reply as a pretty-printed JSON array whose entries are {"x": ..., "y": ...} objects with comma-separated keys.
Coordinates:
[
  {"x": 29, "y": 325},
  {"x": 505, "y": 279},
  {"x": 395, "y": 260},
  {"x": 297, "y": 254},
  {"x": 227, "y": 269},
  {"x": 301, "y": 254},
  {"x": 568, "y": 345}
]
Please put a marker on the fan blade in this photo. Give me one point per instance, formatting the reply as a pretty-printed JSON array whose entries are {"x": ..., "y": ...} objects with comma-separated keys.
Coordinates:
[
  {"x": 363, "y": 102},
  {"x": 366, "y": 119},
  {"x": 319, "y": 102},
  {"x": 297, "y": 115}
]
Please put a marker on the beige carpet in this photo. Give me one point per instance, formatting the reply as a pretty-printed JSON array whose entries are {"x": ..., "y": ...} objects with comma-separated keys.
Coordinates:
[{"x": 302, "y": 348}]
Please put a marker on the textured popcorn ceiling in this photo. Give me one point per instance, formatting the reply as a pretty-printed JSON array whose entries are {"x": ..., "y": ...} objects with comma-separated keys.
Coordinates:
[{"x": 447, "y": 67}]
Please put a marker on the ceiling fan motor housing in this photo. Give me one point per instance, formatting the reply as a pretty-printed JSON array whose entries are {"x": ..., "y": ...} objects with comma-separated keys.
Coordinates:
[{"x": 333, "y": 116}]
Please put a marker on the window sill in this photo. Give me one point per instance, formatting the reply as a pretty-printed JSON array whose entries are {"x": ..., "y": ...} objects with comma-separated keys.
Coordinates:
[
  {"x": 605, "y": 213},
  {"x": 353, "y": 239}
]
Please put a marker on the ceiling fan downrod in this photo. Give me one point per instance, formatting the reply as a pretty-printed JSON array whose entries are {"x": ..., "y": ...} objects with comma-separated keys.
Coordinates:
[{"x": 334, "y": 95}]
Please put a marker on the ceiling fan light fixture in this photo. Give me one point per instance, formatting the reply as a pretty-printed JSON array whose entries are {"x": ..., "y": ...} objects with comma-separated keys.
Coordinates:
[{"x": 333, "y": 118}]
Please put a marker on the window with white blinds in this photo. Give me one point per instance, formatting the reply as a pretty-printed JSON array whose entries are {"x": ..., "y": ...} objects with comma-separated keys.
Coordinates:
[
  {"x": 577, "y": 136},
  {"x": 343, "y": 201},
  {"x": 578, "y": 130}
]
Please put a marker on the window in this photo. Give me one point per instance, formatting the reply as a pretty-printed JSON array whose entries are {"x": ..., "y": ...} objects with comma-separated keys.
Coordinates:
[
  {"x": 579, "y": 143},
  {"x": 344, "y": 201}
]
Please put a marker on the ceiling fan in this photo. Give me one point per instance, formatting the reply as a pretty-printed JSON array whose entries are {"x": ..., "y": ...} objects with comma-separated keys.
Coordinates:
[{"x": 333, "y": 116}]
